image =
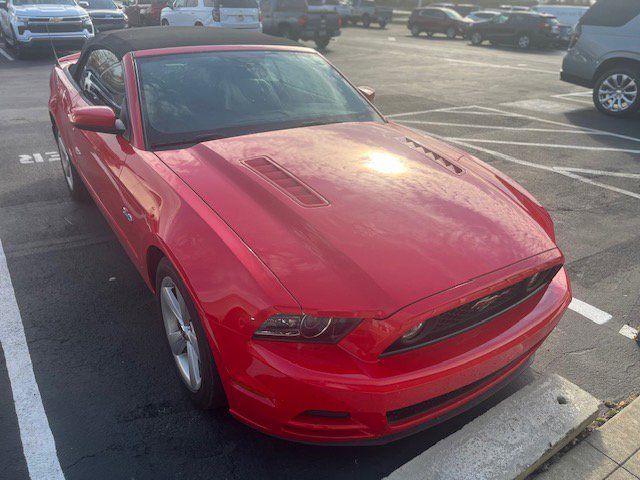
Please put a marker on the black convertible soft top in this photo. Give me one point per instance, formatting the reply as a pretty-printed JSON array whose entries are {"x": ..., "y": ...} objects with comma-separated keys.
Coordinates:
[{"x": 121, "y": 42}]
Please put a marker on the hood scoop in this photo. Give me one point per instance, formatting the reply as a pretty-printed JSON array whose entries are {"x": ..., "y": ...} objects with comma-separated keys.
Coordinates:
[
  {"x": 285, "y": 182},
  {"x": 452, "y": 167}
]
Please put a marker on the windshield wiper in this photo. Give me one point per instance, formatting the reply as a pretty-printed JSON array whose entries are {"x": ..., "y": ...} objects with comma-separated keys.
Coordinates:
[{"x": 189, "y": 142}]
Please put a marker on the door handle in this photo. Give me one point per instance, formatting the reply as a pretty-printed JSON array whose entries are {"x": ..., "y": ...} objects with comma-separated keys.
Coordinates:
[{"x": 127, "y": 215}]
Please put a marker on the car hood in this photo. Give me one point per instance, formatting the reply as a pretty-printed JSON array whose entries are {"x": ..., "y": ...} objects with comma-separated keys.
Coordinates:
[
  {"x": 49, "y": 10},
  {"x": 106, "y": 13},
  {"x": 390, "y": 223}
]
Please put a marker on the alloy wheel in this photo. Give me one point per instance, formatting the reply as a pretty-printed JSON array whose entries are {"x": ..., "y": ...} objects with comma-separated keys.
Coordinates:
[
  {"x": 618, "y": 92},
  {"x": 181, "y": 334},
  {"x": 66, "y": 163},
  {"x": 524, "y": 41}
]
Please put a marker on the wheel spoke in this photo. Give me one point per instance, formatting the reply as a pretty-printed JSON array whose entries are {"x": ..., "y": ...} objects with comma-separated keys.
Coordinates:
[
  {"x": 194, "y": 367},
  {"x": 170, "y": 301},
  {"x": 177, "y": 342}
]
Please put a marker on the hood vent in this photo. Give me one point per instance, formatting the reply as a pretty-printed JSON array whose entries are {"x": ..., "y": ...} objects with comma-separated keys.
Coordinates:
[
  {"x": 452, "y": 167},
  {"x": 286, "y": 182}
]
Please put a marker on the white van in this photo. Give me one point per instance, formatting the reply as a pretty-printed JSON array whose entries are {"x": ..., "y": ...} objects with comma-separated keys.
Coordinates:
[{"x": 241, "y": 14}]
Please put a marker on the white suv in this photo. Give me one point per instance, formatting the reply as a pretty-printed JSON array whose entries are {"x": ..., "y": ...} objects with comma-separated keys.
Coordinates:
[
  {"x": 243, "y": 14},
  {"x": 27, "y": 24}
]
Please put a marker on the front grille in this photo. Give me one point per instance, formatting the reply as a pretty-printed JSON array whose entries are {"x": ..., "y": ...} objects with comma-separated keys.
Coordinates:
[
  {"x": 401, "y": 414},
  {"x": 475, "y": 313},
  {"x": 55, "y": 27}
]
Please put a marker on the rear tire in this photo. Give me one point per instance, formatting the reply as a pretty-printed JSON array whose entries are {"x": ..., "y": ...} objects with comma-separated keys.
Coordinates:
[
  {"x": 605, "y": 92},
  {"x": 366, "y": 21},
  {"x": 524, "y": 41},
  {"x": 382, "y": 23},
  {"x": 287, "y": 32},
  {"x": 208, "y": 393},
  {"x": 321, "y": 43},
  {"x": 429, "y": 34},
  {"x": 476, "y": 38},
  {"x": 451, "y": 33},
  {"x": 165, "y": 22},
  {"x": 198, "y": 24},
  {"x": 415, "y": 30}
]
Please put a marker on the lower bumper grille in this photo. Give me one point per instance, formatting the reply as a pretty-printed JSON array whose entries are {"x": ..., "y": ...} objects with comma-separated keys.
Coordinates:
[{"x": 55, "y": 28}]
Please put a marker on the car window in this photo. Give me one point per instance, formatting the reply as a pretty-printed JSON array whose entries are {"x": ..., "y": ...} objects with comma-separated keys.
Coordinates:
[
  {"x": 210, "y": 94},
  {"x": 501, "y": 18},
  {"x": 102, "y": 79},
  {"x": 611, "y": 13},
  {"x": 191, "y": 3},
  {"x": 178, "y": 3},
  {"x": 238, "y": 3},
  {"x": 453, "y": 14},
  {"x": 292, "y": 5}
]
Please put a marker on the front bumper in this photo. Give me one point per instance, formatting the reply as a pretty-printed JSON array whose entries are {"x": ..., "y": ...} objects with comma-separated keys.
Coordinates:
[
  {"x": 323, "y": 394},
  {"x": 61, "y": 40}
]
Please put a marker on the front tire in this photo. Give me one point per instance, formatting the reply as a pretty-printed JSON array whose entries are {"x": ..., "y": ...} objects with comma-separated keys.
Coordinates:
[
  {"x": 382, "y": 23},
  {"x": 616, "y": 92},
  {"x": 165, "y": 22},
  {"x": 76, "y": 186},
  {"x": 476, "y": 38},
  {"x": 187, "y": 340},
  {"x": 415, "y": 30},
  {"x": 366, "y": 21}
]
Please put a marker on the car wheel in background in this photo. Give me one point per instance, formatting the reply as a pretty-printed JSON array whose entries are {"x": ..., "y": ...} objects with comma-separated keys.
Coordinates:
[
  {"x": 198, "y": 24},
  {"x": 451, "y": 33},
  {"x": 187, "y": 339},
  {"x": 322, "y": 42},
  {"x": 617, "y": 92},
  {"x": 75, "y": 184},
  {"x": 287, "y": 32},
  {"x": 165, "y": 22},
  {"x": 415, "y": 30},
  {"x": 382, "y": 23},
  {"x": 366, "y": 21},
  {"x": 429, "y": 34},
  {"x": 476, "y": 38},
  {"x": 524, "y": 41}
]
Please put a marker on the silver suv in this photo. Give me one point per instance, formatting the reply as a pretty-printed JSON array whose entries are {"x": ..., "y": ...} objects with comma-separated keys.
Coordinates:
[{"x": 605, "y": 55}]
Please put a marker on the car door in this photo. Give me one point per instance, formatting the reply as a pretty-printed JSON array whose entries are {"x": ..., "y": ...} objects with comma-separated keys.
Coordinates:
[
  {"x": 190, "y": 12},
  {"x": 100, "y": 156},
  {"x": 495, "y": 29}
]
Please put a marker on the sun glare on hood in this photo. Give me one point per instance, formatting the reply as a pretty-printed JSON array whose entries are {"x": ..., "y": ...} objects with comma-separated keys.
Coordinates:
[{"x": 385, "y": 163}]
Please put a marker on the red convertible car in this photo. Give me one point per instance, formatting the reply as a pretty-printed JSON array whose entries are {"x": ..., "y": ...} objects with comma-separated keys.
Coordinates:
[{"x": 326, "y": 274}]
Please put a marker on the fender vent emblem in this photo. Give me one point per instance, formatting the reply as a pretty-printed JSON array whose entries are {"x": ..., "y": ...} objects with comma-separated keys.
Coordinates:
[
  {"x": 286, "y": 182},
  {"x": 452, "y": 167}
]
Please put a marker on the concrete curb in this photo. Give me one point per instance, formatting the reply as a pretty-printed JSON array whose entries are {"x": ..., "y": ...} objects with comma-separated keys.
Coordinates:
[{"x": 511, "y": 440}]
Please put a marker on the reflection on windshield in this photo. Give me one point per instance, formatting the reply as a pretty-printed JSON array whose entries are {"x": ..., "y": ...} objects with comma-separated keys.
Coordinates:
[
  {"x": 101, "y": 5},
  {"x": 187, "y": 98},
  {"x": 43, "y": 2}
]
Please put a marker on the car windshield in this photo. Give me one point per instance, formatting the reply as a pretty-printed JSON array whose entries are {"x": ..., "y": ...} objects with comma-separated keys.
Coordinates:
[
  {"x": 101, "y": 5},
  {"x": 43, "y": 2},
  {"x": 292, "y": 5},
  {"x": 453, "y": 14},
  {"x": 189, "y": 98}
]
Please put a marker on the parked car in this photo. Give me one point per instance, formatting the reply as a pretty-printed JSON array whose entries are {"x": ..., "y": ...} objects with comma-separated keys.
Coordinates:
[
  {"x": 368, "y": 12},
  {"x": 143, "y": 13},
  {"x": 514, "y": 8},
  {"x": 433, "y": 20},
  {"x": 483, "y": 15},
  {"x": 241, "y": 183},
  {"x": 105, "y": 15},
  {"x": 605, "y": 56},
  {"x": 568, "y": 17},
  {"x": 292, "y": 19},
  {"x": 465, "y": 9},
  {"x": 242, "y": 14},
  {"x": 522, "y": 29},
  {"x": 27, "y": 25}
]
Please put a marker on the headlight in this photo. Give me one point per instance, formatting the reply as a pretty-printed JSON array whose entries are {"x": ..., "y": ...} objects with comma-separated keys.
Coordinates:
[{"x": 306, "y": 328}]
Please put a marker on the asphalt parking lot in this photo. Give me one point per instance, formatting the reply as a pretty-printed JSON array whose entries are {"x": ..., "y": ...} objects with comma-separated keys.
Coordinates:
[{"x": 114, "y": 405}]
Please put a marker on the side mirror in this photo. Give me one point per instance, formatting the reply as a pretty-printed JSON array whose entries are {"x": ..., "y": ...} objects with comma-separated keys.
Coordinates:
[
  {"x": 368, "y": 92},
  {"x": 96, "y": 119},
  {"x": 84, "y": 4}
]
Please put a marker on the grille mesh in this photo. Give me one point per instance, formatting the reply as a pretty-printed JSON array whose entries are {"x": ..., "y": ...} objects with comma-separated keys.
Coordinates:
[{"x": 475, "y": 313}]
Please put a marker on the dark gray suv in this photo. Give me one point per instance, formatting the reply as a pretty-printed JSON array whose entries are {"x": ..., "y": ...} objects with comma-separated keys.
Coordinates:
[{"x": 605, "y": 55}]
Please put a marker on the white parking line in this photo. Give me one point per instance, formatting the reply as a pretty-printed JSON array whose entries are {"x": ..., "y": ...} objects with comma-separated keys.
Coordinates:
[
  {"x": 496, "y": 127},
  {"x": 493, "y": 65},
  {"x": 547, "y": 145},
  {"x": 629, "y": 332},
  {"x": 589, "y": 311},
  {"x": 38, "y": 444},
  {"x": 6, "y": 55}
]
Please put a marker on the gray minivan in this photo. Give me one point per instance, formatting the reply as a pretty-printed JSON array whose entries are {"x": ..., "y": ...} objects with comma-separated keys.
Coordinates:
[{"x": 605, "y": 55}]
